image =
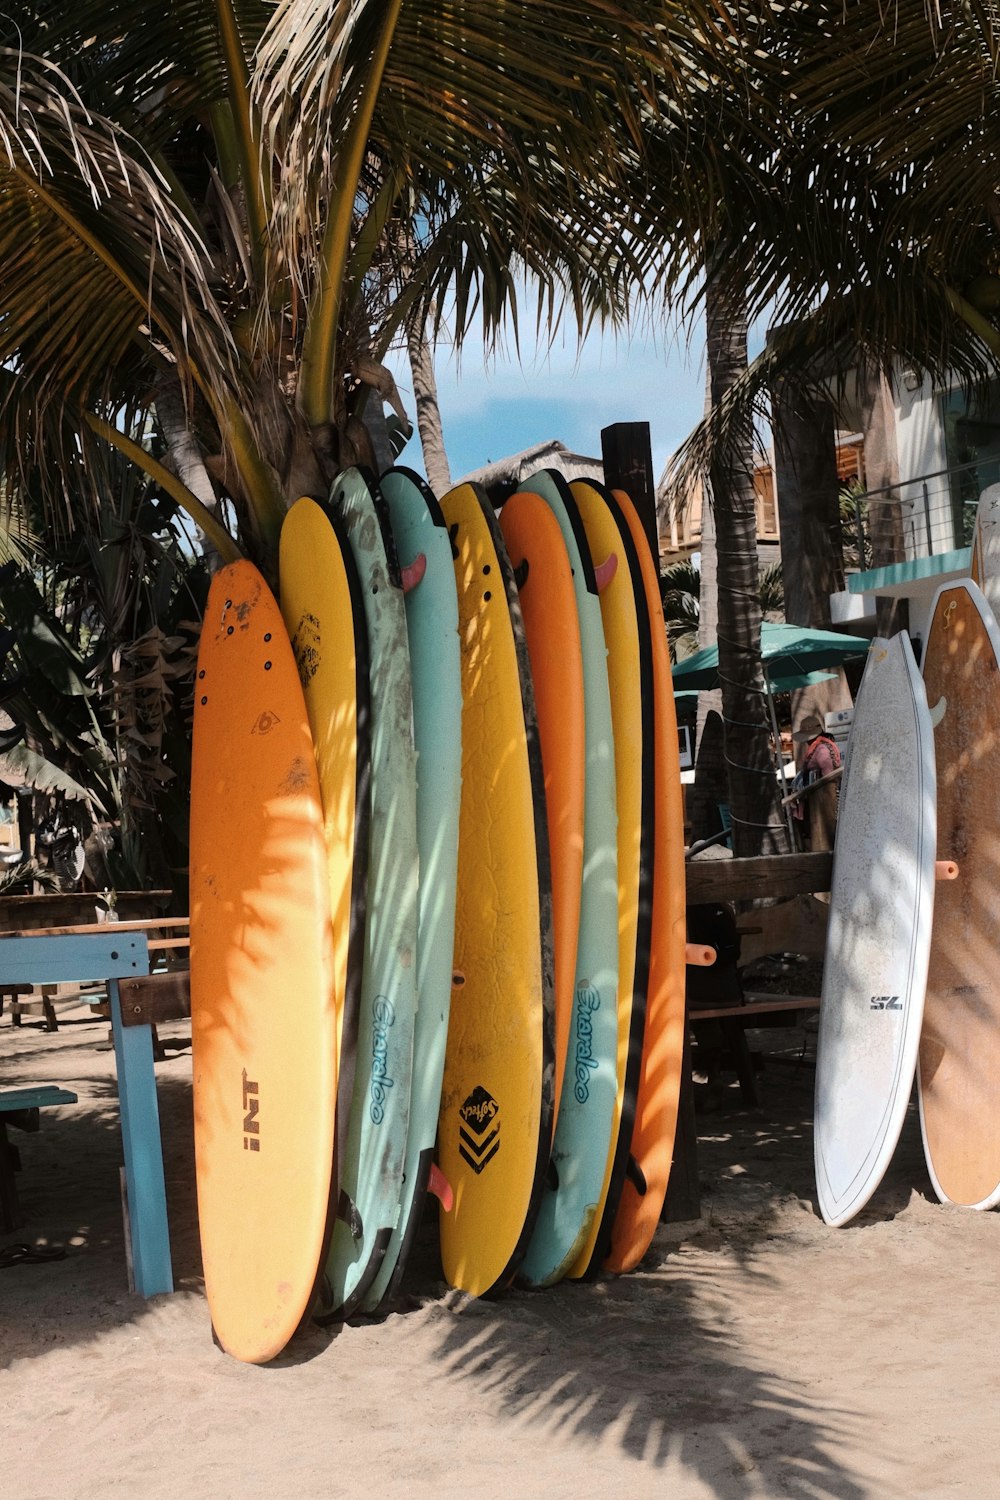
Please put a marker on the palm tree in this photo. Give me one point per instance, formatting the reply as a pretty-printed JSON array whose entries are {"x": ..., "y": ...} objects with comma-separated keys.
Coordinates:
[{"x": 208, "y": 191}]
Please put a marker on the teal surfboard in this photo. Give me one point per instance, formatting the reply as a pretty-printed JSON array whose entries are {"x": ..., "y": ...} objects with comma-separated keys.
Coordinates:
[
  {"x": 424, "y": 551},
  {"x": 376, "y": 1070},
  {"x": 586, "y": 1119}
]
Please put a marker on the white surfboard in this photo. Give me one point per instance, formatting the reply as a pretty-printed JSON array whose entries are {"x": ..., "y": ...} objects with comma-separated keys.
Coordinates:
[
  {"x": 878, "y": 943},
  {"x": 986, "y": 546}
]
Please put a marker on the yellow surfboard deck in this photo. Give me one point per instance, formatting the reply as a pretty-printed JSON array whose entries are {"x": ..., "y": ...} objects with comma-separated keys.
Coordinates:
[
  {"x": 629, "y": 677},
  {"x": 325, "y": 622},
  {"x": 658, "y": 1094},
  {"x": 497, "y": 1097},
  {"x": 262, "y": 1009}
]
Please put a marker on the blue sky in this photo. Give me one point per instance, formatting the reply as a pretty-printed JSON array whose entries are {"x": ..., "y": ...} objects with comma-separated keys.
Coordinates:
[{"x": 494, "y": 407}]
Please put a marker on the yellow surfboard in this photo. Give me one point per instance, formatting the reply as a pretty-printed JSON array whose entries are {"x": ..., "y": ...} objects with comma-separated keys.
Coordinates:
[
  {"x": 626, "y": 631},
  {"x": 262, "y": 1011},
  {"x": 495, "y": 1125},
  {"x": 324, "y": 616}
]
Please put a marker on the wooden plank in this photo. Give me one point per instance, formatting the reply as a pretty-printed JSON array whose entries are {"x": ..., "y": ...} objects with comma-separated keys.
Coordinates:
[
  {"x": 100, "y": 953},
  {"x": 156, "y": 997},
  {"x": 162, "y": 945},
  {"x": 767, "y": 875},
  {"x": 756, "y": 1005},
  {"x": 153, "y": 924}
]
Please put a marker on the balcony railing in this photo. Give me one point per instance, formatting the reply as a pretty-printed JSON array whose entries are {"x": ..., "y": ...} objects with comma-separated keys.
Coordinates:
[{"x": 921, "y": 517}]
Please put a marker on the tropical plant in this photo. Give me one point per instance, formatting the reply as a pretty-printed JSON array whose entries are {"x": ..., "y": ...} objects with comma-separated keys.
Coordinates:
[{"x": 680, "y": 594}]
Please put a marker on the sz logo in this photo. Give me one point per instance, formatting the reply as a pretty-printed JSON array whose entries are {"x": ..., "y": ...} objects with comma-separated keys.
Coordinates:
[{"x": 886, "y": 1002}]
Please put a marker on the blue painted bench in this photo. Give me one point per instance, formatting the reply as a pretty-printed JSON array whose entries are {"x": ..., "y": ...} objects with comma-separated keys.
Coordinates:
[
  {"x": 117, "y": 952},
  {"x": 20, "y": 1108}
]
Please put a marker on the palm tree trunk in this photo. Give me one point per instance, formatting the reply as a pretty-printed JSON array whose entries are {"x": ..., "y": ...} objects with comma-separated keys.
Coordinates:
[
  {"x": 758, "y": 825},
  {"x": 425, "y": 395},
  {"x": 184, "y": 457}
]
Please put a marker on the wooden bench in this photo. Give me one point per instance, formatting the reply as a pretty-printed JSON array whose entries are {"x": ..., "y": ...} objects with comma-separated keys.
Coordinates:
[{"x": 20, "y": 1108}]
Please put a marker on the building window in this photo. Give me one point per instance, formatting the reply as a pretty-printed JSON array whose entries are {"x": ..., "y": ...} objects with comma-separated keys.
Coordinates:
[{"x": 972, "y": 444}]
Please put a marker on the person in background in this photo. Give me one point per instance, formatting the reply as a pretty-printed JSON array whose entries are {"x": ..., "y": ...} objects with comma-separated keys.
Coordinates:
[{"x": 822, "y": 758}]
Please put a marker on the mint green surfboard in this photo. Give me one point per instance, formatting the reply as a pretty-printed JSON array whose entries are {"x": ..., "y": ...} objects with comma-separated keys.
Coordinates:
[
  {"x": 376, "y": 1065},
  {"x": 587, "y": 1106},
  {"x": 420, "y": 532}
]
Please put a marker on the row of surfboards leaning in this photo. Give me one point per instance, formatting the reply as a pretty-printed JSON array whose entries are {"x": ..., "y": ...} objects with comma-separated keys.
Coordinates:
[
  {"x": 437, "y": 901},
  {"x": 911, "y": 982}
]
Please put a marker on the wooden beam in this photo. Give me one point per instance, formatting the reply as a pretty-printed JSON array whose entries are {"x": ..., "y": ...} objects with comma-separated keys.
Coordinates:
[
  {"x": 156, "y": 997},
  {"x": 767, "y": 875},
  {"x": 628, "y": 466}
]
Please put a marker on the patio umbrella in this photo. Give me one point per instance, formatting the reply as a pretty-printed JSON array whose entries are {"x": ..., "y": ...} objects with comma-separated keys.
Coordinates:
[{"x": 793, "y": 656}]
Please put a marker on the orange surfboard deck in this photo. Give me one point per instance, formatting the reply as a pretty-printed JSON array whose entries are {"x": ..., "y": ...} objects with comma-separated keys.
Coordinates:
[
  {"x": 548, "y": 607},
  {"x": 262, "y": 987},
  {"x": 658, "y": 1094},
  {"x": 959, "y": 1064}
]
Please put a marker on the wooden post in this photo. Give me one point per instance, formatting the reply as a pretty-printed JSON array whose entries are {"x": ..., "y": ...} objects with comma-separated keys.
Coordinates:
[{"x": 628, "y": 466}]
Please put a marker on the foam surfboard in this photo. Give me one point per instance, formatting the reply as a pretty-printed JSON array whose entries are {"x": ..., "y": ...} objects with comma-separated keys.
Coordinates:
[
  {"x": 424, "y": 552},
  {"x": 495, "y": 1126},
  {"x": 371, "y": 1158},
  {"x": 879, "y": 934},
  {"x": 627, "y": 632},
  {"x": 986, "y": 546},
  {"x": 323, "y": 610},
  {"x": 263, "y": 1019},
  {"x": 959, "y": 1058},
  {"x": 588, "y": 1098},
  {"x": 658, "y": 1091},
  {"x": 544, "y": 580}
]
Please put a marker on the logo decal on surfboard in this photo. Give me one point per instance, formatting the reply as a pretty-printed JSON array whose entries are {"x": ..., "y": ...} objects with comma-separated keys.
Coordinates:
[
  {"x": 383, "y": 1016},
  {"x": 886, "y": 1002},
  {"x": 251, "y": 1105},
  {"x": 588, "y": 999},
  {"x": 479, "y": 1134},
  {"x": 265, "y": 722}
]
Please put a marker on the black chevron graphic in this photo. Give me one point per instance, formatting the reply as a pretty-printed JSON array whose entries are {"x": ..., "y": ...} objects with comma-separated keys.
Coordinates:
[
  {"x": 478, "y": 1147},
  {"x": 477, "y": 1166},
  {"x": 479, "y": 1129}
]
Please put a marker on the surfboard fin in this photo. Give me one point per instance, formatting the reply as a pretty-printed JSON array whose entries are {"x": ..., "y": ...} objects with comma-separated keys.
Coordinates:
[
  {"x": 636, "y": 1176},
  {"x": 414, "y": 572},
  {"x": 438, "y": 1184},
  {"x": 605, "y": 571},
  {"x": 347, "y": 1212}
]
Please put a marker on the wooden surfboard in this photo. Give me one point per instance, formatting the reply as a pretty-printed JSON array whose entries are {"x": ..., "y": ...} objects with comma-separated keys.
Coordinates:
[
  {"x": 495, "y": 1126},
  {"x": 959, "y": 1066},
  {"x": 627, "y": 632},
  {"x": 263, "y": 1019},
  {"x": 658, "y": 1091},
  {"x": 371, "y": 1159},
  {"x": 582, "y": 1139},
  {"x": 424, "y": 552},
  {"x": 879, "y": 934}
]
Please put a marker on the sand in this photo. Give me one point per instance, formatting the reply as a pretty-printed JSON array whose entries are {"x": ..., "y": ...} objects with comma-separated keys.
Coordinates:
[{"x": 754, "y": 1353}]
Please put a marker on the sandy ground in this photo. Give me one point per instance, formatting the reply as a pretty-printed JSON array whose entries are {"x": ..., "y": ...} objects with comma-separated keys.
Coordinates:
[{"x": 756, "y": 1353}]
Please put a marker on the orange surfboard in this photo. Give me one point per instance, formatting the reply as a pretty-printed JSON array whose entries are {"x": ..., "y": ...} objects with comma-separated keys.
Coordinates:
[
  {"x": 263, "y": 1017},
  {"x": 658, "y": 1094},
  {"x": 548, "y": 607}
]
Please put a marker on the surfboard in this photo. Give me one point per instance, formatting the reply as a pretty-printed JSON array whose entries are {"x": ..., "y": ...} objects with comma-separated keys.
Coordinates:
[
  {"x": 544, "y": 580},
  {"x": 371, "y": 1160},
  {"x": 424, "y": 551},
  {"x": 495, "y": 1126},
  {"x": 323, "y": 610},
  {"x": 263, "y": 1020},
  {"x": 582, "y": 1139},
  {"x": 959, "y": 1059},
  {"x": 658, "y": 1090},
  {"x": 879, "y": 933},
  {"x": 986, "y": 546},
  {"x": 627, "y": 633}
]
